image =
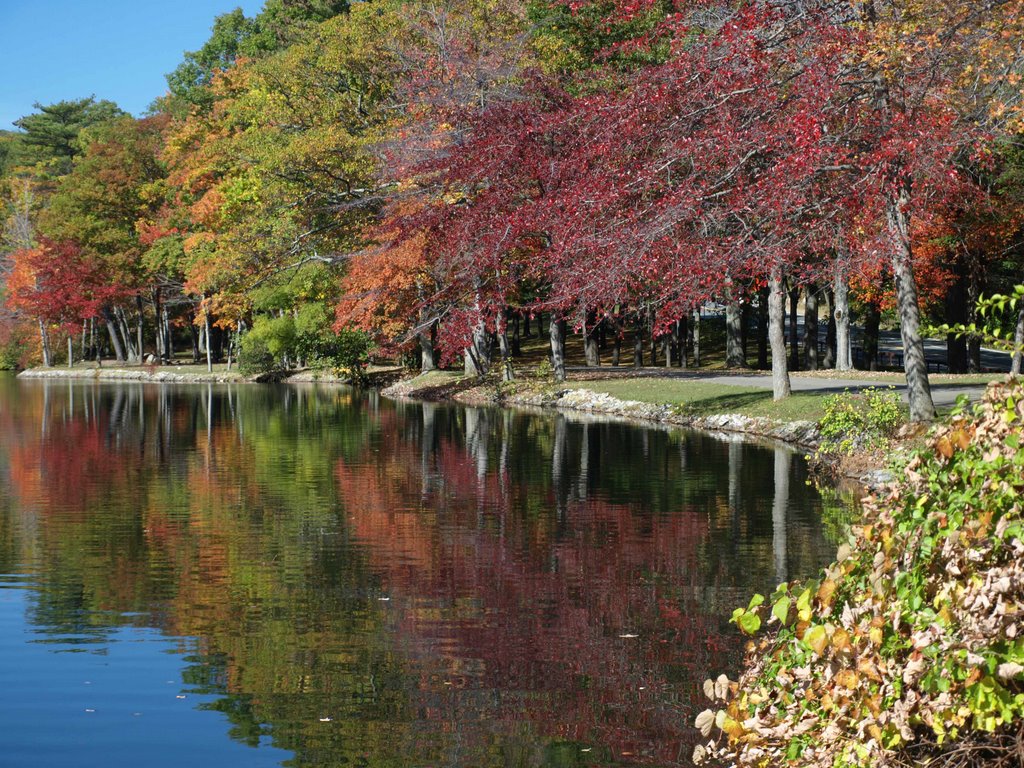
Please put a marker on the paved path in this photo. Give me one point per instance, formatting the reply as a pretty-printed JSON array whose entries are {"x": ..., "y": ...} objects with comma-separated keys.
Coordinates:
[{"x": 935, "y": 352}]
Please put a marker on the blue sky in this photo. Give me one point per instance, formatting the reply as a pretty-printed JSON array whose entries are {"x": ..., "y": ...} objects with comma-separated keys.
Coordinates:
[{"x": 120, "y": 50}]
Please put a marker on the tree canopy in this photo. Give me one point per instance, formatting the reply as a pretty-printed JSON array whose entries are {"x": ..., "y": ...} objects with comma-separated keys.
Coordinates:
[{"x": 453, "y": 167}]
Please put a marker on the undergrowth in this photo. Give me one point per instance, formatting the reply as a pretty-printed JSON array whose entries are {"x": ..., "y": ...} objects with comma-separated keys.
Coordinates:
[
  {"x": 866, "y": 420},
  {"x": 909, "y": 649}
]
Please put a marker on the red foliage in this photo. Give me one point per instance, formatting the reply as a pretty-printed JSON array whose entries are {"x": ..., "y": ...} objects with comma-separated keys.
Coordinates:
[
  {"x": 746, "y": 148},
  {"x": 59, "y": 283}
]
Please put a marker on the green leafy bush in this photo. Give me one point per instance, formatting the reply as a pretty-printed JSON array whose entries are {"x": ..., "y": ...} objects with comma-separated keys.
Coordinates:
[
  {"x": 307, "y": 336},
  {"x": 254, "y": 358},
  {"x": 263, "y": 347},
  {"x": 314, "y": 339},
  {"x": 910, "y": 647},
  {"x": 856, "y": 421},
  {"x": 351, "y": 353},
  {"x": 11, "y": 354}
]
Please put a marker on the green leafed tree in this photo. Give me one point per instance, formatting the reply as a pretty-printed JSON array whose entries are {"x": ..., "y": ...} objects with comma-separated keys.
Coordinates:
[
  {"x": 233, "y": 37},
  {"x": 49, "y": 138}
]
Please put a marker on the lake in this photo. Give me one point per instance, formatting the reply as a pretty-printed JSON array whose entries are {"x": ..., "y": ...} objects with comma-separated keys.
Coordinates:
[{"x": 251, "y": 575}]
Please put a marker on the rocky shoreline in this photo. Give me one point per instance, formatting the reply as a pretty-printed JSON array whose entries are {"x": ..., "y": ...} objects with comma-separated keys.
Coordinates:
[
  {"x": 153, "y": 374},
  {"x": 803, "y": 435},
  {"x": 168, "y": 375}
]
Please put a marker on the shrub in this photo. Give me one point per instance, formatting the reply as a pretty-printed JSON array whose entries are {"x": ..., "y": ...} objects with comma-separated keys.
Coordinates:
[
  {"x": 910, "y": 647},
  {"x": 19, "y": 345},
  {"x": 263, "y": 347},
  {"x": 865, "y": 420},
  {"x": 351, "y": 353},
  {"x": 315, "y": 342},
  {"x": 254, "y": 358}
]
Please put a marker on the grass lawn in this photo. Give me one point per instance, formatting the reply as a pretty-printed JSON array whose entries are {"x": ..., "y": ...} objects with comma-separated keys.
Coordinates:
[
  {"x": 437, "y": 378},
  {"x": 708, "y": 399}
]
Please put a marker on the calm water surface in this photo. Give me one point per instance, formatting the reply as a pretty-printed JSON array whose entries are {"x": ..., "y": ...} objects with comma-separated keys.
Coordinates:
[{"x": 258, "y": 576}]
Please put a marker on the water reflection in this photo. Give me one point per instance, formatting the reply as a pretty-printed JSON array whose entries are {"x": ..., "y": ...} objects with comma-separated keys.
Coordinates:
[{"x": 357, "y": 580}]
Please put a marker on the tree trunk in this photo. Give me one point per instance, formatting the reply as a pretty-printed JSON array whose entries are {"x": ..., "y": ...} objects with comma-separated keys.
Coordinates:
[
  {"x": 44, "y": 341},
  {"x": 733, "y": 331},
  {"x": 556, "y": 329},
  {"x": 695, "y": 338},
  {"x": 762, "y": 329},
  {"x": 794, "y": 329},
  {"x": 71, "y": 352},
  {"x": 517, "y": 349},
  {"x": 974, "y": 288},
  {"x": 616, "y": 326},
  {"x": 872, "y": 322},
  {"x": 841, "y": 313},
  {"x": 666, "y": 345},
  {"x": 829, "y": 360},
  {"x": 140, "y": 308},
  {"x": 956, "y": 314},
  {"x": 158, "y": 325},
  {"x": 527, "y": 333},
  {"x": 681, "y": 333},
  {"x": 811, "y": 328},
  {"x": 590, "y": 338},
  {"x": 126, "y": 335},
  {"x": 1018, "y": 342},
  {"x": 194, "y": 333},
  {"x": 638, "y": 343},
  {"x": 478, "y": 355},
  {"x": 654, "y": 340},
  {"x": 504, "y": 348},
  {"x": 165, "y": 323},
  {"x": 426, "y": 338},
  {"x": 217, "y": 335},
  {"x": 209, "y": 341},
  {"x": 677, "y": 345},
  {"x": 919, "y": 391},
  {"x": 777, "y": 334},
  {"x": 745, "y": 313},
  {"x": 115, "y": 339}
]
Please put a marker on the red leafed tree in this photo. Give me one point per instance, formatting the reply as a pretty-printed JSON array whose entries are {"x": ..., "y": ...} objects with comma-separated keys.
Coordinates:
[
  {"x": 707, "y": 166},
  {"x": 58, "y": 283},
  {"x": 769, "y": 134}
]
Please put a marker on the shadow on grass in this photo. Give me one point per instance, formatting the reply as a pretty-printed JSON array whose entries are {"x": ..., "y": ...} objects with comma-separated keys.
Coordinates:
[{"x": 731, "y": 403}]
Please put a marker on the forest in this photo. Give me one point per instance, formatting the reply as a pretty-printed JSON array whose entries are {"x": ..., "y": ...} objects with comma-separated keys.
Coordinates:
[{"x": 426, "y": 180}]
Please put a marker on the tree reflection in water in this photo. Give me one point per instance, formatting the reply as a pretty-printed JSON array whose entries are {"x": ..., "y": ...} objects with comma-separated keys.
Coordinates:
[{"x": 389, "y": 583}]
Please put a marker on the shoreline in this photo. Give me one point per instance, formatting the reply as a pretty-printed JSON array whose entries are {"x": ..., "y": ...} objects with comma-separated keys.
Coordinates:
[
  {"x": 168, "y": 375},
  {"x": 866, "y": 473},
  {"x": 802, "y": 435},
  {"x": 155, "y": 374}
]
